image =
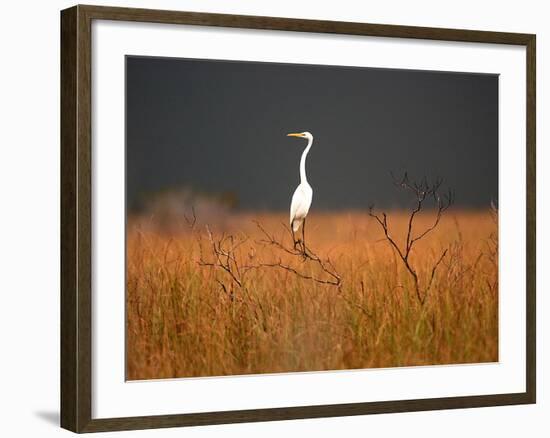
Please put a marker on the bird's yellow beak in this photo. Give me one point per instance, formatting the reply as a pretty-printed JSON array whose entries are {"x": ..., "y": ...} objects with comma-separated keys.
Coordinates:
[{"x": 295, "y": 134}]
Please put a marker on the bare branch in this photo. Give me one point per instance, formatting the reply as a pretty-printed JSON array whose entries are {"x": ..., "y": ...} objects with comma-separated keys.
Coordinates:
[
  {"x": 306, "y": 254},
  {"x": 434, "y": 268},
  {"x": 280, "y": 264}
]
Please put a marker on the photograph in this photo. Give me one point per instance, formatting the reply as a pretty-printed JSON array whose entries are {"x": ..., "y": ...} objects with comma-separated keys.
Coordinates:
[{"x": 285, "y": 218}]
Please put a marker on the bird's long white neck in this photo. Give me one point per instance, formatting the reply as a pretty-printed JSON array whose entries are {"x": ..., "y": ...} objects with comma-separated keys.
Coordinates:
[{"x": 303, "y": 178}]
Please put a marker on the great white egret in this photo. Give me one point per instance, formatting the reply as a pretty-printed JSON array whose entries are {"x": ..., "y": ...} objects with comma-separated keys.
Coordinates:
[{"x": 301, "y": 199}]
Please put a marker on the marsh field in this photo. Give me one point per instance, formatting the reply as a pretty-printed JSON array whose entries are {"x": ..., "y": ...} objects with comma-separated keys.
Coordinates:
[{"x": 232, "y": 296}]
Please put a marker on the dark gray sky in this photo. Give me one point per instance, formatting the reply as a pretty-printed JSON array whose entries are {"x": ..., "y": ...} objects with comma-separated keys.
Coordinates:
[{"x": 221, "y": 126}]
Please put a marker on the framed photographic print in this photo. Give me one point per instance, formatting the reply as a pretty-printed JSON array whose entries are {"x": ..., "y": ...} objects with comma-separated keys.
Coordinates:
[{"x": 271, "y": 218}]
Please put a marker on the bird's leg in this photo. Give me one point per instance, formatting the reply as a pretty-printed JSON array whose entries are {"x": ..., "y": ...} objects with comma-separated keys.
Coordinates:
[
  {"x": 293, "y": 236},
  {"x": 304, "y": 235}
]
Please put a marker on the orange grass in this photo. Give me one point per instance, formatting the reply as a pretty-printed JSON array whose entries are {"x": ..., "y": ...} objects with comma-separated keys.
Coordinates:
[{"x": 188, "y": 320}]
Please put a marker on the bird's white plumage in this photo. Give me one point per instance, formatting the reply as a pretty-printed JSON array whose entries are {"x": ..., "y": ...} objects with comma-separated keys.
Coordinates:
[{"x": 299, "y": 207}]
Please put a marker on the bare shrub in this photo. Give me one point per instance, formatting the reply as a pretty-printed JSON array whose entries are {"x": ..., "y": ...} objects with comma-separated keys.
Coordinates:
[
  {"x": 421, "y": 191},
  {"x": 224, "y": 256}
]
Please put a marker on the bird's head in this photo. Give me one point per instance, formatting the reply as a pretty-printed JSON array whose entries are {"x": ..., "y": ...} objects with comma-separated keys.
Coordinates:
[{"x": 306, "y": 135}]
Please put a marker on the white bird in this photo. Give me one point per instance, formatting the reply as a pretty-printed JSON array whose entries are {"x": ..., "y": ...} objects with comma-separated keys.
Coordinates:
[{"x": 301, "y": 199}]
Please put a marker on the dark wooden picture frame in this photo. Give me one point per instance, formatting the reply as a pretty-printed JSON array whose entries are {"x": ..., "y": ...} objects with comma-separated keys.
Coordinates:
[{"x": 76, "y": 238}]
